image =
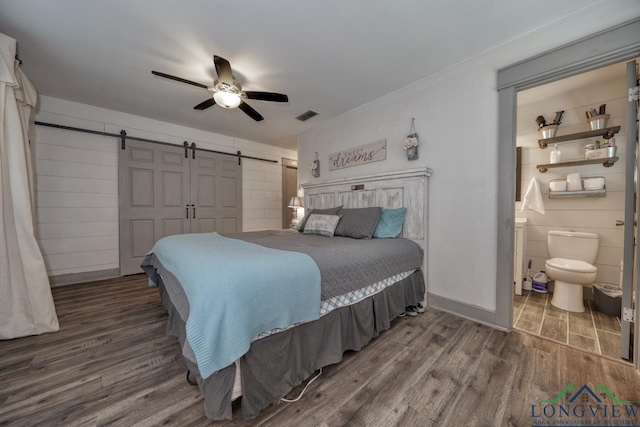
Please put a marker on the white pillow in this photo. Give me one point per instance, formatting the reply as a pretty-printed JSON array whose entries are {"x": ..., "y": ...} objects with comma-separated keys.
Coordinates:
[{"x": 322, "y": 225}]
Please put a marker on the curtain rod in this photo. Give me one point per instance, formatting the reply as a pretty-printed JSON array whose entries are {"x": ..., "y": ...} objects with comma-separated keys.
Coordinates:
[{"x": 123, "y": 136}]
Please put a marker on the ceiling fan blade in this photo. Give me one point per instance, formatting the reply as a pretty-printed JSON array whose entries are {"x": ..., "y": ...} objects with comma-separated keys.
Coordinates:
[
  {"x": 223, "y": 68},
  {"x": 250, "y": 111},
  {"x": 205, "y": 104},
  {"x": 267, "y": 96},
  {"x": 179, "y": 79}
]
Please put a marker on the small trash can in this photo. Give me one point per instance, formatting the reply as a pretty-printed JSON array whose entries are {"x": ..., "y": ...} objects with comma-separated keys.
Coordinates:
[{"x": 608, "y": 298}]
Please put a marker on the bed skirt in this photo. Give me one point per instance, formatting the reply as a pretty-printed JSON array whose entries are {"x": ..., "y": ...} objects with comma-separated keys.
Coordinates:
[{"x": 276, "y": 364}]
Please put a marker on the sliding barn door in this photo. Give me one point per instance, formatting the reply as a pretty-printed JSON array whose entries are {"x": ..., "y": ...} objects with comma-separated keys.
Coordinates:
[
  {"x": 165, "y": 190},
  {"x": 154, "y": 191},
  {"x": 216, "y": 193}
]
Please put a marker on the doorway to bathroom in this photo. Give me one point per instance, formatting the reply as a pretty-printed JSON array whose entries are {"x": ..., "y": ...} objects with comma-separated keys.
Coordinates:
[
  {"x": 289, "y": 190},
  {"x": 573, "y": 190}
]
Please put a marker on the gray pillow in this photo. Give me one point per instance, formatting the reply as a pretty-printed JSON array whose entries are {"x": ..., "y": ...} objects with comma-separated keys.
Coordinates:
[
  {"x": 329, "y": 211},
  {"x": 358, "y": 223},
  {"x": 323, "y": 225}
]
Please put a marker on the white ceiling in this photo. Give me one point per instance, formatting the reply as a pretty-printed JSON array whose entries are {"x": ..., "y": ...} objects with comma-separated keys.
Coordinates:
[{"x": 329, "y": 55}]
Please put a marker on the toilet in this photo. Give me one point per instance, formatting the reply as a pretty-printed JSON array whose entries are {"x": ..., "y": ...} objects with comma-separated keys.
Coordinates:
[{"x": 571, "y": 266}]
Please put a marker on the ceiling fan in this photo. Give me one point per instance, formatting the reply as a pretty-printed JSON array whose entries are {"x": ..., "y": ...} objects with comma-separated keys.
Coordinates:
[{"x": 227, "y": 92}]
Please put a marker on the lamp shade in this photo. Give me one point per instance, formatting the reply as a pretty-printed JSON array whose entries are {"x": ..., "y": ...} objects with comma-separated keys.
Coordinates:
[
  {"x": 295, "y": 202},
  {"x": 227, "y": 99}
]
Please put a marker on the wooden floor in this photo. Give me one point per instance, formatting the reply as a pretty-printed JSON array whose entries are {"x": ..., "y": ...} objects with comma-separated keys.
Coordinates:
[{"x": 112, "y": 364}]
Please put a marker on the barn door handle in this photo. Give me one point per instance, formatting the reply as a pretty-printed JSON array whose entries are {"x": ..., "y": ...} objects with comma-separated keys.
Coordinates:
[
  {"x": 194, "y": 210},
  {"x": 187, "y": 211}
]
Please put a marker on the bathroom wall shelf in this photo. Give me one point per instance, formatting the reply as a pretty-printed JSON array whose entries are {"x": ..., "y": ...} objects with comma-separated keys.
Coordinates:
[
  {"x": 605, "y": 133},
  {"x": 606, "y": 162},
  {"x": 577, "y": 194}
]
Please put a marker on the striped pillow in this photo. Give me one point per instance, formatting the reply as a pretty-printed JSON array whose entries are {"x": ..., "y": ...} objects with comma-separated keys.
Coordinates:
[{"x": 322, "y": 225}]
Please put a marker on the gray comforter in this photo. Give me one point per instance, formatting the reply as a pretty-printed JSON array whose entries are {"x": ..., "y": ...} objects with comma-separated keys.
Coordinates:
[{"x": 345, "y": 264}]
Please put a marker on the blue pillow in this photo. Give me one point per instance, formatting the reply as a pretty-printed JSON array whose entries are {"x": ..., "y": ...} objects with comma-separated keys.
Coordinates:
[{"x": 390, "y": 224}]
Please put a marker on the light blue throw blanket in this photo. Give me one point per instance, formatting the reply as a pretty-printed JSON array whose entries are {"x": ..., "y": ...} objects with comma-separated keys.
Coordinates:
[{"x": 236, "y": 290}]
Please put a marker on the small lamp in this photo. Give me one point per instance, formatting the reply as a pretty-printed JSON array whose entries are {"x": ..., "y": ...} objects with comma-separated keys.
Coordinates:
[{"x": 295, "y": 203}]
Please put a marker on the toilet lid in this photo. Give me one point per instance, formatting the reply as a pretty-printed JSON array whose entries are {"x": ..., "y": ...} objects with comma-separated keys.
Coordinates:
[{"x": 572, "y": 265}]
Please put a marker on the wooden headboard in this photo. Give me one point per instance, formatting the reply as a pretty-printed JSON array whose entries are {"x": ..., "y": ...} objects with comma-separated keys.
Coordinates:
[{"x": 408, "y": 188}]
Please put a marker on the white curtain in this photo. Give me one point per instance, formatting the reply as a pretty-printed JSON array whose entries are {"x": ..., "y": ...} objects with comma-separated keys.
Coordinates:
[{"x": 26, "y": 304}]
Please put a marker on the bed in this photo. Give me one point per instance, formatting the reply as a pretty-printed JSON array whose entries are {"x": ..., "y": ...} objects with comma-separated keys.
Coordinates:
[{"x": 365, "y": 284}]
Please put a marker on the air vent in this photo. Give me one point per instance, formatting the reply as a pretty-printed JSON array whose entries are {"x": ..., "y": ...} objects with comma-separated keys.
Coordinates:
[{"x": 306, "y": 115}]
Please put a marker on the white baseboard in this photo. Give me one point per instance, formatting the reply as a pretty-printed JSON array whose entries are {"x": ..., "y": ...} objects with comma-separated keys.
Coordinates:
[{"x": 85, "y": 276}]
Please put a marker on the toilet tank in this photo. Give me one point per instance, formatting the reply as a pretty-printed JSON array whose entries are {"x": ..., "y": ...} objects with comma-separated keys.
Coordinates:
[{"x": 573, "y": 245}]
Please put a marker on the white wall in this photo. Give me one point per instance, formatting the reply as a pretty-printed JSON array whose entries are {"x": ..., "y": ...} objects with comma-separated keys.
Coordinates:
[
  {"x": 456, "y": 113},
  {"x": 592, "y": 215},
  {"x": 77, "y": 181}
]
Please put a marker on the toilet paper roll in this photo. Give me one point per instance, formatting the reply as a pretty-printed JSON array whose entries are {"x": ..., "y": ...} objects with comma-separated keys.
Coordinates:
[{"x": 574, "y": 183}]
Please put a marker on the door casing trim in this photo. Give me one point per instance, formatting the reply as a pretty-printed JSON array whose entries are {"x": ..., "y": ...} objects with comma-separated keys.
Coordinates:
[{"x": 608, "y": 47}]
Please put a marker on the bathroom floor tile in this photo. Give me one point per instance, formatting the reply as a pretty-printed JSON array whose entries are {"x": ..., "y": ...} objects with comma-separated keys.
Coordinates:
[
  {"x": 552, "y": 311},
  {"x": 581, "y": 324},
  {"x": 537, "y": 298},
  {"x": 606, "y": 322},
  {"x": 584, "y": 343},
  {"x": 516, "y": 313},
  {"x": 555, "y": 329},
  {"x": 532, "y": 312},
  {"x": 590, "y": 331},
  {"x": 518, "y": 300},
  {"x": 609, "y": 343},
  {"x": 586, "y": 313},
  {"x": 528, "y": 326}
]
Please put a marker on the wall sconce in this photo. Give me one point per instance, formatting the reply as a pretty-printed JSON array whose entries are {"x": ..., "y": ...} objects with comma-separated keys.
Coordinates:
[
  {"x": 314, "y": 167},
  {"x": 410, "y": 144}
]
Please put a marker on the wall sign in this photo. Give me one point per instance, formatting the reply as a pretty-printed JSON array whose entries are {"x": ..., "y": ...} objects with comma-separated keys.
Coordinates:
[{"x": 372, "y": 152}]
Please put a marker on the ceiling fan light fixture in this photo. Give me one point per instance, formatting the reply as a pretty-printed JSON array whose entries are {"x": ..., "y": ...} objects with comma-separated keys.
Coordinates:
[
  {"x": 227, "y": 99},
  {"x": 227, "y": 92}
]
